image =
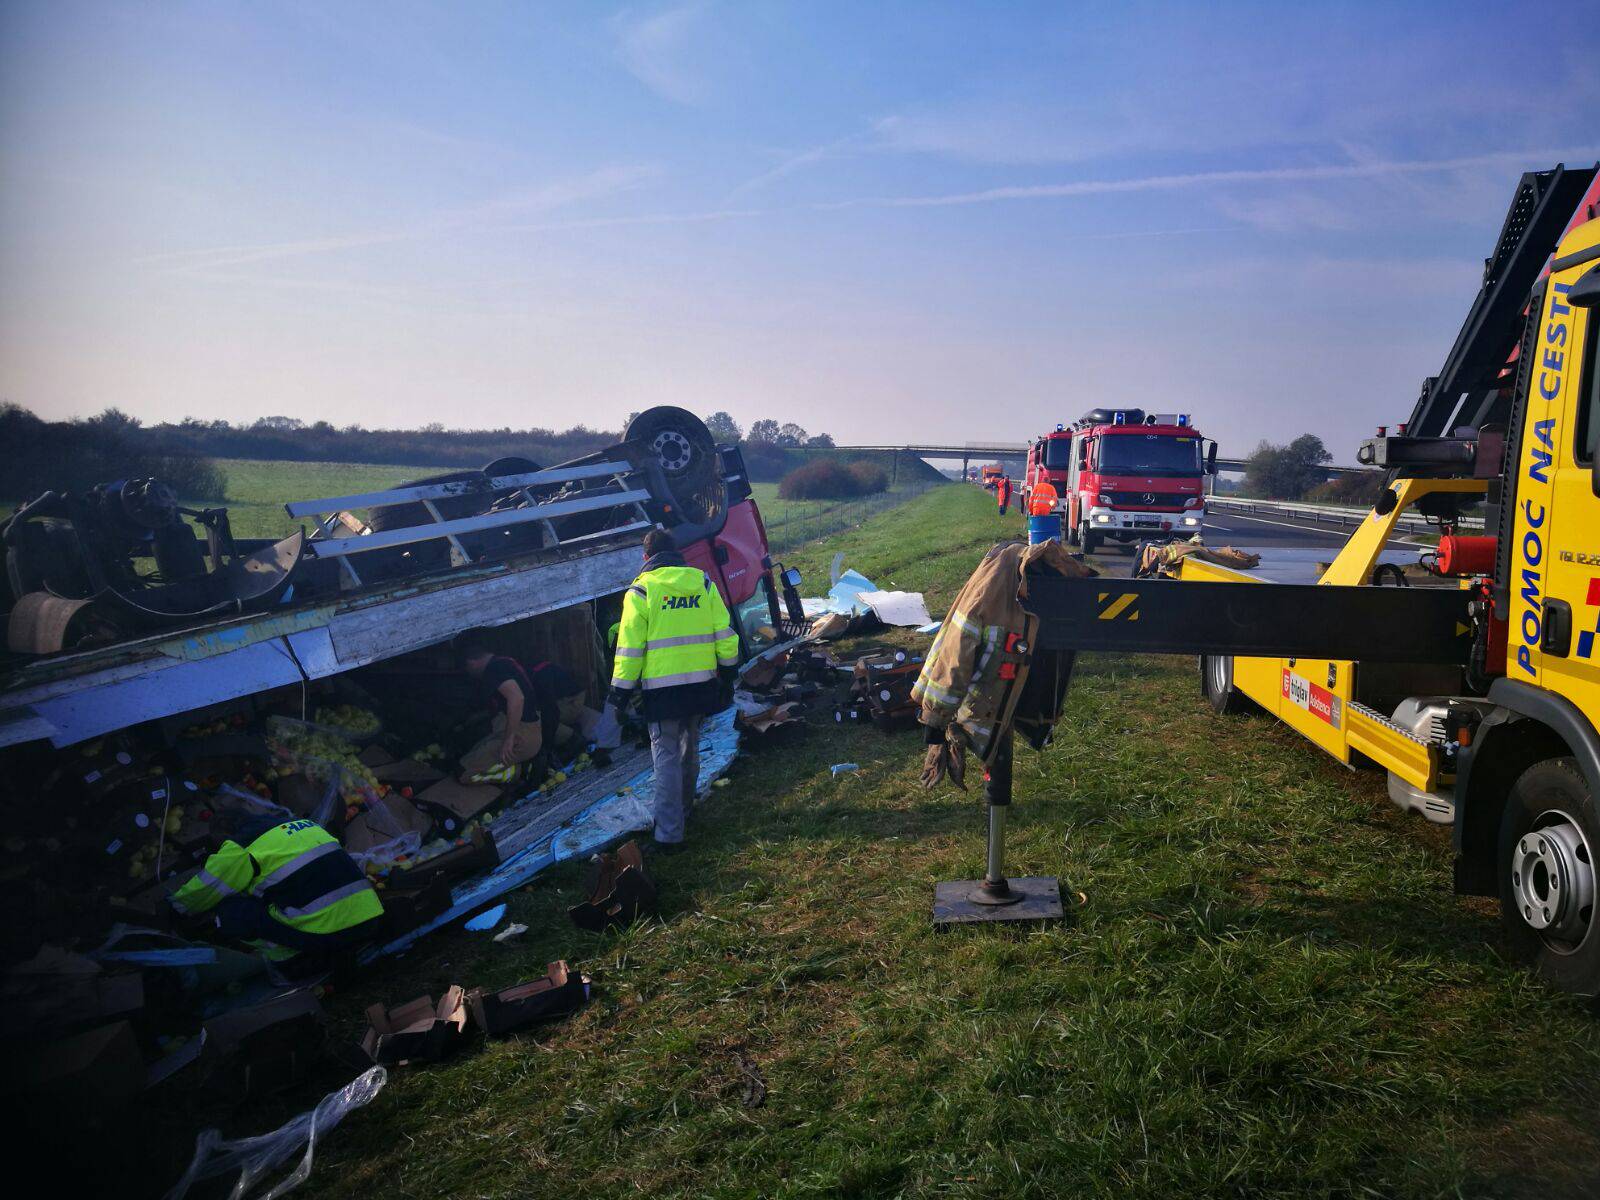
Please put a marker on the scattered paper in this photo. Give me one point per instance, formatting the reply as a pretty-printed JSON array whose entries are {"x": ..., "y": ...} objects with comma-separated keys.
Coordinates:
[
  {"x": 897, "y": 608},
  {"x": 512, "y": 930},
  {"x": 845, "y": 768}
]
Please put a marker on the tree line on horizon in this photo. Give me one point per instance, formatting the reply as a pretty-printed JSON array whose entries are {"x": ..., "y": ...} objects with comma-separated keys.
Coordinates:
[
  {"x": 1294, "y": 472},
  {"x": 43, "y": 455}
]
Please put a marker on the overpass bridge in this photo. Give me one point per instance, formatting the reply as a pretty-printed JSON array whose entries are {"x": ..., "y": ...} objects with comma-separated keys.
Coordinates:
[{"x": 969, "y": 452}]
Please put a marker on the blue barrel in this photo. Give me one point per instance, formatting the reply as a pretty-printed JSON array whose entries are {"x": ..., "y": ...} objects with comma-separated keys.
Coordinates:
[{"x": 1044, "y": 528}]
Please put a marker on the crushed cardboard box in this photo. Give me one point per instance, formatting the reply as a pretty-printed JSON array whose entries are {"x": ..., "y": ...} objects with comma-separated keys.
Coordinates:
[
  {"x": 560, "y": 993},
  {"x": 417, "y": 1031},
  {"x": 619, "y": 890}
]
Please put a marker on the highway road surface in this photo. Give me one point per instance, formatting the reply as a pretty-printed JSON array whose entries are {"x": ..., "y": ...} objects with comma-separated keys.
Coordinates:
[{"x": 1258, "y": 534}]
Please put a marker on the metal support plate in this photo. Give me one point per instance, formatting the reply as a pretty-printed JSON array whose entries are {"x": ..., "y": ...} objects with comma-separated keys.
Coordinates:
[
  {"x": 1282, "y": 620},
  {"x": 953, "y": 902}
]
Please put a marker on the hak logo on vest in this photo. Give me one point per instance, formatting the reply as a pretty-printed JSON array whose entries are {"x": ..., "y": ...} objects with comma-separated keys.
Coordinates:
[{"x": 681, "y": 602}]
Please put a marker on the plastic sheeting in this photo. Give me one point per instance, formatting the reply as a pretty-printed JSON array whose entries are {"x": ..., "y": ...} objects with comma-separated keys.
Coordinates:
[
  {"x": 254, "y": 1157},
  {"x": 854, "y": 595},
  {"x": 623, "y": 811},
  {"x": 843, "y": 597}
]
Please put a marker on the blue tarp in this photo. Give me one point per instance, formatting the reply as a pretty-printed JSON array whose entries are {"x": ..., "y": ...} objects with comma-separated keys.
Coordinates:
[{"x": 623, "y": 811}]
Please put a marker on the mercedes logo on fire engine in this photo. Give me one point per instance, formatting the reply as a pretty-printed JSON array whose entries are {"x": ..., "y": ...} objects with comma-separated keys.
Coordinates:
[{"x": 1148, "y": 498}]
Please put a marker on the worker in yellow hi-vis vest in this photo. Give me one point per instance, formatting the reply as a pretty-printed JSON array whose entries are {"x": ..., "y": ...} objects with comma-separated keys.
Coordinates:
[
  {"x": 677, "y": 650},
  {"x": 286, "y": 886}
]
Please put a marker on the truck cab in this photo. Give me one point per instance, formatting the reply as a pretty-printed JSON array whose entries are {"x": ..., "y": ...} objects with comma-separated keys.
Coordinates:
[
  {"x": 1134, "y": 476},
  {"x": 1049, "y": 461}
]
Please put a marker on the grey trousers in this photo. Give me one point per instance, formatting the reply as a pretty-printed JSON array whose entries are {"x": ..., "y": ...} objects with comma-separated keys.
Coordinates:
[{"x": 675, "y": 754}]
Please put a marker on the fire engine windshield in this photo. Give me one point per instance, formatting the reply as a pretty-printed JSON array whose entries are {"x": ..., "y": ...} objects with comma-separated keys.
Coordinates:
[
  {"x": 1149, "y": 454},
  {"x": 1057, "y": 453}
]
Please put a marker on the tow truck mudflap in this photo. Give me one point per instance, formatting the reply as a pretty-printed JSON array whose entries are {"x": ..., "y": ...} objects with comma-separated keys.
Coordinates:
[{"x": 1165, "y": 616}]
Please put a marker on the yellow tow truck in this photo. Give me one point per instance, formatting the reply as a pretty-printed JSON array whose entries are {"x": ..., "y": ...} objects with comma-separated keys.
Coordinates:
[{"x": 1478, "y": 691}]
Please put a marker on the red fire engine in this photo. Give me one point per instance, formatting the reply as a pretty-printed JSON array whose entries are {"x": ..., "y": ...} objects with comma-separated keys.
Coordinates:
[{"x": 1125, "y": 476}]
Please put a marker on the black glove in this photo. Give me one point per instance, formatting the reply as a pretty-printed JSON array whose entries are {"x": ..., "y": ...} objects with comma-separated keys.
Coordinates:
[
  {"x": 727, "y": 680},
  {"x": 619, "y": 699}
]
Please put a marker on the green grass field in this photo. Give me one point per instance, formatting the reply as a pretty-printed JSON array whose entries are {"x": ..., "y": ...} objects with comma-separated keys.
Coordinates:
[
  {"x": 1268, "y": 989},
  {"x": 258, "y": 490}
]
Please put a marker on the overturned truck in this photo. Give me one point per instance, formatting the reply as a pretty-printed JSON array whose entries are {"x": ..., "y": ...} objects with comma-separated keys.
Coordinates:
[{"x": 123, "y": 606}]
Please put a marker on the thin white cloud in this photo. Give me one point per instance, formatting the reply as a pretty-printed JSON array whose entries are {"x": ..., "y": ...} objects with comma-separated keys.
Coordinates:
[
  {"x": 685, "y": 218},
  {"x": 656, "y": 50},
  {"x": 1167, "y": 183},
  {"x": 493, "y": 212},
  {"x": 799, "y": 162}
]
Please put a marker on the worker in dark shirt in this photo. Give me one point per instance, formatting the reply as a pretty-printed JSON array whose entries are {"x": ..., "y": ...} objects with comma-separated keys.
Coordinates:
[
  {"x": 517, "y": 729},
  {"x": 564, "y": 704}
]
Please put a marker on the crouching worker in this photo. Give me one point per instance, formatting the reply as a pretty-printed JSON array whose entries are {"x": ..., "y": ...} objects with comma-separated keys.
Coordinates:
[
  {"x": 564, "y": 703},
  {"x": 289, "y": 888},
  {"x": 516, "y": 729},
  {"x": 677, "y": 651}
]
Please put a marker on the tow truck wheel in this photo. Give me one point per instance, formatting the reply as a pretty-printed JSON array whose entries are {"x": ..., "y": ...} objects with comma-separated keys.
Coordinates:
[
  {"x": 1088, "y": 539},
  {"x": 1216, "y": 685},
  {"x": 1548, "y": 840}
]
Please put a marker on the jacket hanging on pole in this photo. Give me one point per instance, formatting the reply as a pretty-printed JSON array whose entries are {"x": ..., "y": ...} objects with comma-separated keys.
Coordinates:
[{"x": 982, "y": 675}]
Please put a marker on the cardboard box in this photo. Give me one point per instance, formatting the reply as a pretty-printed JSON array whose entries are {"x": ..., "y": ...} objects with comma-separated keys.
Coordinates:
[
  {"x": 375, "y": 756},
  {"x": 407, "y": 771},
  {"x": 384, "y": 820},
  {"x": 417, "y": 1031},
  {"x": 478, "y": 855},
  {"x": 463, "y": 800},
  {"x": 93, "y": 1073},
  {"x": 263, "y": 1048},
  {"x": 560, "y": 993},
  {"x": 57, "y": 989},
  {"x": 620, "y": 890},
  {"x": 408, "y": 909}
]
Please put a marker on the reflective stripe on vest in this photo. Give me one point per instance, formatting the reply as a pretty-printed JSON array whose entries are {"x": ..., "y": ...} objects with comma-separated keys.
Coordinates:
[
  {"x": 281, "y": 873},
  {"x": 322, "y": 903},
  {"x": 215, "y": 884},
  {"x": 662, "y": 681}
]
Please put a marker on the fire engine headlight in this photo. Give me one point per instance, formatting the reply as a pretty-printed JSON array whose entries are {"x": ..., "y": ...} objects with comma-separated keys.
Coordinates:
[
  {"x": 1102, "y": 518},
  {"x": 1191, "y": 520}
]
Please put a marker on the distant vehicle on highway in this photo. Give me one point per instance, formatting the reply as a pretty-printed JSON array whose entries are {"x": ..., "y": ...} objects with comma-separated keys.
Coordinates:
[{"x": 990, "y": 476}]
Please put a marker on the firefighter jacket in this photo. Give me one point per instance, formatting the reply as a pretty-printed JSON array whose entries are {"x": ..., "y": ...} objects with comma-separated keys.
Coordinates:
[
  {"x": 982, "y": 675},
  {"x": 674, "y": 637},
  {"x": 297, "y": 869}
]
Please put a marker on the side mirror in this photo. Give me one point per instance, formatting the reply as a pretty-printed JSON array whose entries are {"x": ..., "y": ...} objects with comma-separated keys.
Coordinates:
[
  {"x": 1211, "y": 459},
  {"x": 1586, "y": 292},
  {"x": 791, "y": 577}
]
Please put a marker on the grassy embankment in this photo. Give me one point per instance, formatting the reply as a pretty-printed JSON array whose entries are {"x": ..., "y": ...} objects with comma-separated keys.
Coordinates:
[{"x": 1270, "y": 990}]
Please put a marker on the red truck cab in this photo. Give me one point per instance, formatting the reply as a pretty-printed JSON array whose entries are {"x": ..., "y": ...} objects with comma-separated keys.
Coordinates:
[
  {"x": 1132, "y": 477},
  {"x": 1049, "y": 461}
]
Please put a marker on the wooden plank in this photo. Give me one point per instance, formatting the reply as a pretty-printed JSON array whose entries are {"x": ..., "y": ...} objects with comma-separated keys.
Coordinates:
[{"x": 385, "y": 630}]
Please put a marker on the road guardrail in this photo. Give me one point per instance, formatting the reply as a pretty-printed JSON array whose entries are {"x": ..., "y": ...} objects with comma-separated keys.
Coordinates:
[{"x": 1332, "y": 516}]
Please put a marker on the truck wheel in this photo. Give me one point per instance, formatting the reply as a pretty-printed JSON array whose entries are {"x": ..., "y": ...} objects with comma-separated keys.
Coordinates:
[
  {"x": 1072, "y": 535},
  {"x": 1548, "y": 839},
  {"x": 1216, "y": 685},
  {"x": 1089, "y": 540}
]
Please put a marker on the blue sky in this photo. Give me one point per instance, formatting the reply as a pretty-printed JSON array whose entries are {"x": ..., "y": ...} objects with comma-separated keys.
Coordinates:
[{"x": 883, "y": 220}]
